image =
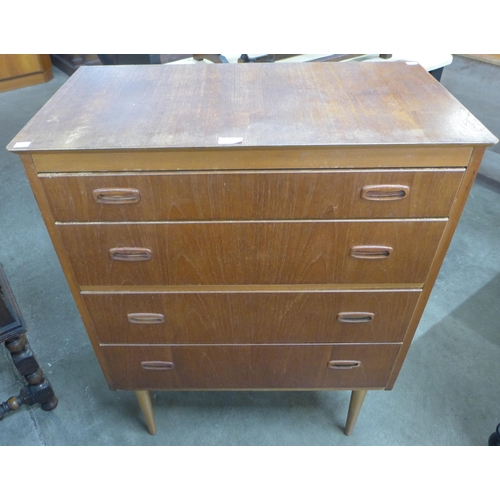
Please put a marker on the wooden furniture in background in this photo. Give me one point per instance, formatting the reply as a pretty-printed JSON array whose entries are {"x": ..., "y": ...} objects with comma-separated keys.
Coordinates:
[
  {"x": 269, "y": 58},
  {"x": 23, "y": 70},
  {"x": 252, "y": 226},
  {"x": 13, "y": 334},
  {"x": 486, "y": 58}
]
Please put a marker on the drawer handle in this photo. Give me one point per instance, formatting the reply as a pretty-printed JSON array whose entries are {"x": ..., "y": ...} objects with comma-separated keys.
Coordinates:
[
  {"x": 131, "y": 254},
  {"x": 116, "y": 196},
  {"x": 157, "y": 365},
  {"x": 146, "y": 318},
  {"x": 389, "y": 192},
  {"x": 371, "y": 252},
  {"x": 355, "y": 317},
  {"x": 343, "y": 364}
]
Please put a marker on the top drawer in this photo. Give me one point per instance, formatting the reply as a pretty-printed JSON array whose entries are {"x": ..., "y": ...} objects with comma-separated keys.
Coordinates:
[{"x": 252, "y": 195}]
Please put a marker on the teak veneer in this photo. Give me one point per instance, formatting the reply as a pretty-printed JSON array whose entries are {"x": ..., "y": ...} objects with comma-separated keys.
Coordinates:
[{"x": 252, "y": 227}]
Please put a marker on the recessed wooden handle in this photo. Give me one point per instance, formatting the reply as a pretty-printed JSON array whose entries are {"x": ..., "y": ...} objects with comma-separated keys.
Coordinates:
[
  {"x": 131, "y": 254},
  {"x": 355, "y": 317},
  {"x": 344, "y": 364},
  {"x": 385, "y": 192},
  {"x": 157, "y": 365},
  {"x": 370, "y": 252},
  {"x": 116, "y": 196},
  {"x": 146, "y": 318}
]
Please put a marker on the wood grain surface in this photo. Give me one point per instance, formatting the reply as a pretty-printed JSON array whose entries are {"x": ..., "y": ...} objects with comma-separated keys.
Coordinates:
[
  {"x": 251, "y": 367},
  {"x": 185, "y": 106},
  {"x": 22, "y": 70},
  {"x": 486, "y": 58},
  {"x": 245, "y": 195},
  {"x": 190, "y": 253},
  {"x": 15, "y": 65},
  {"x": 458, "y": 207},
  {"x": 250, "y": 318},
  {"x": 274, "y": 262},
  {"x": 255, "y": 158}
]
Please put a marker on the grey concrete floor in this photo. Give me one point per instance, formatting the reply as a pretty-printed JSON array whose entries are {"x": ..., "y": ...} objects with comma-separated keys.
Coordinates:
[{"x": 448, "y": 392}]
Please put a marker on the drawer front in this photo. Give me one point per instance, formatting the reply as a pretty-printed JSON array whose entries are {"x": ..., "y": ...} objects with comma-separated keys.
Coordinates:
[
  {"x": 251, "y": 253},
  {"x": 251, "y": 318},
  {"x": 252, "y": 196},
  {"x": 251, "y": 367}
]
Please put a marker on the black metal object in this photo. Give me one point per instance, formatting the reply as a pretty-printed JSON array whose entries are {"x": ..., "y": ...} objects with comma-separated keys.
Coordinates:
[
  {"x": 11, "y": 320},
  {"x": 111, "y": 59},
  {"x": 13, "y": 335},
  {"x": 437, "y": 73},
  {"x": 215, "y": 58},
  {"x": 495, "y": 437},
  {"x": 265, "y": 58}
]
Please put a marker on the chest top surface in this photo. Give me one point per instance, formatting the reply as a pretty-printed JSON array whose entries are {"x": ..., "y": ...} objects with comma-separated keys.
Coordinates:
[{"x": 192, "y": 106}]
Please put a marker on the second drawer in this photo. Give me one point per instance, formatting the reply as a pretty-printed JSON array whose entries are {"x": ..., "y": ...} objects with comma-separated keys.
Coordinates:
[
  {"x": 239, "y": 253},
  {"x": 251, "y": 318}
]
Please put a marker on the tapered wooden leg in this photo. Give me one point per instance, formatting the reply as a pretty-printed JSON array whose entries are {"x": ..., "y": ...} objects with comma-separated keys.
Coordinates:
[
  {"x": 144, "y": 399},
  {"x": 357, "y": 398}
]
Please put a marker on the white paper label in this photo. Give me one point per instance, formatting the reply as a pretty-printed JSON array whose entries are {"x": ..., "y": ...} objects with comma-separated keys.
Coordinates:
[
  {"x": 22, "y": 144},
  {"x": 411, "y": 63},
  {"x": 230, "y": 140}
]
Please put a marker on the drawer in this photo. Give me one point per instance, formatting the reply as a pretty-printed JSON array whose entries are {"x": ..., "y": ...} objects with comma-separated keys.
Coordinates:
[
  {"x": 251, "y": 318},
  {"x": 251, "y": 367},
  {"x": 251, "y": 253},
  {"x": 252, "y": 195}
]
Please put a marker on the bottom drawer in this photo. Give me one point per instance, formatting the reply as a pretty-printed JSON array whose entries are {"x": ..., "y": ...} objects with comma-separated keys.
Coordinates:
[{"x": 251, "y": 366}]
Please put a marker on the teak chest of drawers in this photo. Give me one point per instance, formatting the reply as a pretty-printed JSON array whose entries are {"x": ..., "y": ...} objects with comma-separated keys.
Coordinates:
[{"x": 252, "y": 226}]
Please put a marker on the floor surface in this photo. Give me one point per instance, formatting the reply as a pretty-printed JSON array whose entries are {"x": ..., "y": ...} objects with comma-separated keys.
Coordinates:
[{"x": 448, "y": 392}]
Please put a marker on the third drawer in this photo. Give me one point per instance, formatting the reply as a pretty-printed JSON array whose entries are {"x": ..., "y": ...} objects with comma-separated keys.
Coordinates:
[{"x": 251, "y": 317}]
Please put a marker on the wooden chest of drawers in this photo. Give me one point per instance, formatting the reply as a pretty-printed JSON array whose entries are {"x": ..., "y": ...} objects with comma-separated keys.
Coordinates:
[{"x": 252, "y": 226}]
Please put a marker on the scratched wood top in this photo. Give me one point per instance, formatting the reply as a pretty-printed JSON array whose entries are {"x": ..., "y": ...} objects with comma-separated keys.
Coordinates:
[{"x": 301, "y": 104}]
